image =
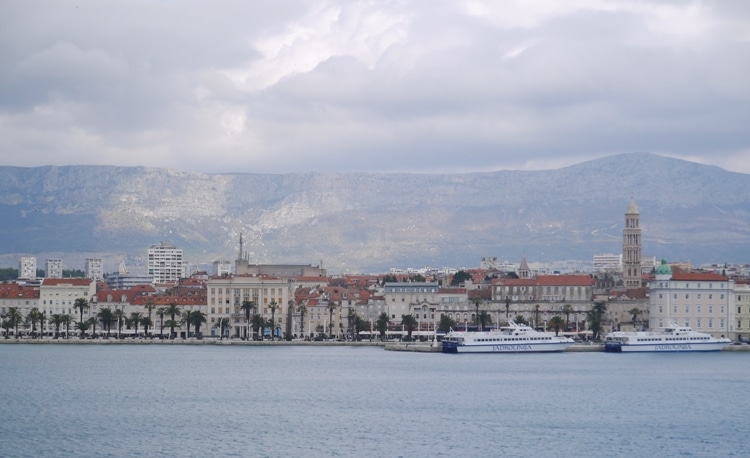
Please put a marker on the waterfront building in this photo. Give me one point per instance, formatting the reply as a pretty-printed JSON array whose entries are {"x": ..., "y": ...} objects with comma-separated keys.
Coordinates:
[
  {"x": 225, "y": 296},
  {"x": 742, "y": 304},
  {"x": 27, "y": 268},
  {"x": 165, "y": 264},
  {"x": 22, "y": 297},
  {"x": 426, "y": 302},
  {"x": 93, "y": 268},
  {"x": 53, "y": 268},
  {"x": 702, "y": 301},
  {"x": 631, "y": 247}
]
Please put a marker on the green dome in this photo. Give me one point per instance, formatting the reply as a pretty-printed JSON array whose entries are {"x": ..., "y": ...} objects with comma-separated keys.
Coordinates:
[{"x": 664, "y": 268}]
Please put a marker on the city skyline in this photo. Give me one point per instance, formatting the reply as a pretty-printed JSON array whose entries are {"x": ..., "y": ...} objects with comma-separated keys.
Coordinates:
[{"x": 342, "y": 86}]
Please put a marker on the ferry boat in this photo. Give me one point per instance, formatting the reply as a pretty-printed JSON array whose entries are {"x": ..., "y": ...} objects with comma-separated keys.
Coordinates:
[
  {"x": 670, "y": 339},
  {"x": 513, "y": 338}
]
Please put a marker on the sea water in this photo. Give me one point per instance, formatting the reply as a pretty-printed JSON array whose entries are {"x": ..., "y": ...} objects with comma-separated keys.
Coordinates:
[{"x": 165, "y": 400}]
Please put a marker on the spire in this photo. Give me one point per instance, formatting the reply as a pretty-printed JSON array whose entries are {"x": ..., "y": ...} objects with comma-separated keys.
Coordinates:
[
  {"x": 632, "y": 207},
  {"x": 241, "y": 250}
]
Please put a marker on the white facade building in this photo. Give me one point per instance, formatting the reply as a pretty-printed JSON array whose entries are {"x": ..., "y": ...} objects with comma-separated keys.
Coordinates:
[
  {"x": 53, "y": 268},
  {"x": 93, "y": 268},
  {"x": 165, "y": 263},
  {"x": 608, "y": 262},
  {"x": 27, "y": 267},
  {"x": 702, "y": 301}
]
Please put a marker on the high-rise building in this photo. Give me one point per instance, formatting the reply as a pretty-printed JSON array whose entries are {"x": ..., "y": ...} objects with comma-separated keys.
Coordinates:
[
  {"x": 165, "y": 263},
  {"x": 27, "y": 267},
  {"x": 607, "y": 262},
  {"x": 54, "y": 268},
  {"x": 93, "y": 268},
  {"x": 631, "y": 247}
]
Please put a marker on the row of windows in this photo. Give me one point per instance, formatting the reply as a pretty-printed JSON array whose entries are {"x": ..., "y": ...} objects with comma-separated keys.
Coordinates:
[
  {"x": 687, "y": 285},
  {"x": 697, "y": 309},
  {"x": 687, "y": 296}
]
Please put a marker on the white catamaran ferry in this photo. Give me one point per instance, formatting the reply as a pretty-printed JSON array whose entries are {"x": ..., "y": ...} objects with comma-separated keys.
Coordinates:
[
  {"x": 513, "y": 338},
  {"x": 672, "y": 338}
]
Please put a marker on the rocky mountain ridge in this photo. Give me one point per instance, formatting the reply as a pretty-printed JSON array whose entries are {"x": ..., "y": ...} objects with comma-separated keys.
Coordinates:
[{"x": 362, "y": 222}]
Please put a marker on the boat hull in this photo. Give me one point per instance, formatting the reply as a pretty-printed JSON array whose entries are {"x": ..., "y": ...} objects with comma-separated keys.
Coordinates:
[
  {"x": 657, "y": 347},
  {"x": 533, "y": 347}
]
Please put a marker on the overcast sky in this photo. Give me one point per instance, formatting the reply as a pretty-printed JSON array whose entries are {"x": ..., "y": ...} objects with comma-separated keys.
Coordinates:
[{"x": 409, "y": 86}]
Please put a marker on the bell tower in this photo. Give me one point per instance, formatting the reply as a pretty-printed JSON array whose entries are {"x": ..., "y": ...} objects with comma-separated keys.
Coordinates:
[{"x": 631, "y": 247}]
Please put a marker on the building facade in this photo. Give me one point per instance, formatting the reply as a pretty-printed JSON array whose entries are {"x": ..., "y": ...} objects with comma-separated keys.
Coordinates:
[
  {"x": 53, "y": 268},
  {"x": 93, "y": 268},
  {"x": 703, "y": 301},
  {"x": 27, "y": 268},
  {"x": 165, "y": 263}
]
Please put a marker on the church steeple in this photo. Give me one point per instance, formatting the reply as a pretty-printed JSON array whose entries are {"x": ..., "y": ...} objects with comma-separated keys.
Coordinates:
[{"x": 631, "y": 247}]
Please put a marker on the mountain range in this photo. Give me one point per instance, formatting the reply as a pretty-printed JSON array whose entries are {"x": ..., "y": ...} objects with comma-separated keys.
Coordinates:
[{"x": 367, "y": 222}]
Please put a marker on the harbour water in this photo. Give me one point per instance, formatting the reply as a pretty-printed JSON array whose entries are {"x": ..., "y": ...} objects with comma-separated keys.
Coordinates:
[{"x": 163, "y": 400}]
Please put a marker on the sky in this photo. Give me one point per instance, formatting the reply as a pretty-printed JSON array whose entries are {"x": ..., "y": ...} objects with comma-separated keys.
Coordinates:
[{"x": 424, "y": 86}]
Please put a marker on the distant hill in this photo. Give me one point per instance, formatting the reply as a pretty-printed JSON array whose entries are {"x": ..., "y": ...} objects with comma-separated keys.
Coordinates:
[{"x": 363, "y": 222}]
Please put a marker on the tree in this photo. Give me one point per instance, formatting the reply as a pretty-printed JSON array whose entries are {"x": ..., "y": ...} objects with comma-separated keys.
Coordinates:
[
  {"x": 119, "y": 315},
  {"x": 556, "y": 322},
  {"x": 247, "y": 307},
  {"x": 389, "y": 279},
  {"x": 222, "y": 323},
  {"x": 82, "y": 326},
  {"x": 92, "y": 324},
  {"x": 161, "y": 312},
  {"x": 409, "y": 323},
  {"x": 172, "y": 310},
  {"x": 519, "y": 319},
  {"x": 135, "y": 320},
  {"x": 567, "y": 310},
  {"x": 6, "y": 324},
  {"x": 460, "y": 277},
  {"x": 258, "y": 323},
  {"x": 484, "y": 319},
  {"x": 14, "y": 318},
  {"x": 56, "y": 320},
  {"x": 302, "y": 310},
  {"x": 634, "y": 312},
  {"x": 507, "y": 308},
  {"x": 197, "y": 318},
  {"x": 383, "y": 325},
  {"x": 106, "y": 317},
  {"x": 147, "y": 323},
  {"x": 35, "y": 316},
  {"x": 446, "y": 323},
  {"x": 67, "y": 319},
  {"x": 477, "y": 301},
  {"x": 81, "y": 304},
  {"x": 272, "y": 324},
  {"x": 595, "y": 318}
]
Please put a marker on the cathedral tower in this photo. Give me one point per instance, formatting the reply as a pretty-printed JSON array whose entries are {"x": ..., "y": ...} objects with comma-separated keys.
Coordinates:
[{"x": 631, "y": 248}]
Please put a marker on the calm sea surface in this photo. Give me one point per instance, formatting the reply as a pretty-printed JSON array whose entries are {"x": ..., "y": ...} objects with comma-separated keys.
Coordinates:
[{"x": 154, "y": 400}]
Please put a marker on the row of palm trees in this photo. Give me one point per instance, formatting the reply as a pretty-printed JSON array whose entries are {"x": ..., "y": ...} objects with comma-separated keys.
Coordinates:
[{"x": 105, "y": 317}]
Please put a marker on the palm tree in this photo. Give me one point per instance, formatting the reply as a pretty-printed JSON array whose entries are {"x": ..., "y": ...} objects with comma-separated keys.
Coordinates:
[
  {"x": 6, "y": 324},
  {"x": 595, "y": 317},
  {"x": 484, "y": 319},
  {"x": 81, "y": 304},
  {"x": 507, "y": 308},
  {"x": 556, "y": 322},
  {"x": 222, "y": 324},
  {"x": 519, "y": 319},
  {"x": 160, "y": 312},
  {"x": 66, "y": 320},
  {"x": 147, "y": 323},
  {"x": 409, "y": 322},
  {"x": 14, "y": 317},
  {"x": 258, "y": 323},
  {"x": 302, "y": 310},
  {"x": 106, "y": 317},
  {"x": 56, "y": 320},
  {"x": 273, "y": 306},
  {"x": 477, "y": 301},
  {"x": 119, "y": 315},
  {"x": 247, "y": 307},
  {"x": 197, "y": 318},
  {"x": 82, "y": 326},
  {"x": 331, "y": 307},
  {"x": 446, "y": 323},
  {"x": 567, "y": 310},
  {"x": 383, "y": 325},
  {"x": 634, "y": 312},
  {"x": 92, "y": 324},
  {"x": 34, "y": 316},
  {"x": 172, "y": 310},
  {"x": 135, "y": 320}
]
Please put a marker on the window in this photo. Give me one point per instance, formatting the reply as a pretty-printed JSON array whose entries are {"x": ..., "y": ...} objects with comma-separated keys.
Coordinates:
[
  {"x": 710, "y": 323},
  {"x": 687, "y": 309}
]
